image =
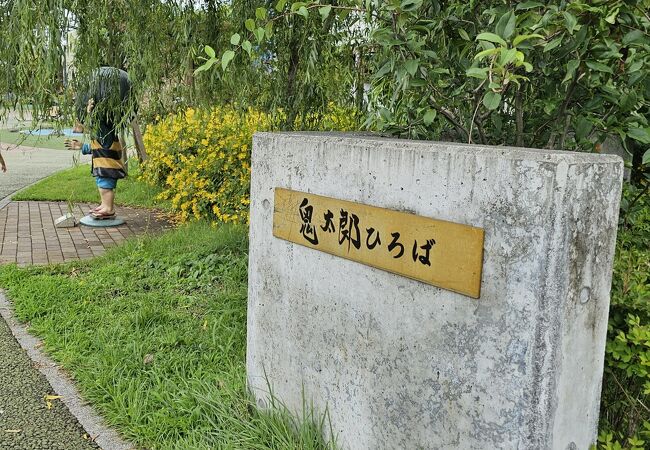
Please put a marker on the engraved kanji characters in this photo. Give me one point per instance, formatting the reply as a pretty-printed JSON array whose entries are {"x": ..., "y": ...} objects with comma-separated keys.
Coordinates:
[
  {"x": 329, "y": 223},
  {"x": 307, "y": 230},
  {"x": 349, "y": 229}
]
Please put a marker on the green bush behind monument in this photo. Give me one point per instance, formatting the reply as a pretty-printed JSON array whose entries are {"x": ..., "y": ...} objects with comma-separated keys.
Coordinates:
[{"x": 626, "y": 386}]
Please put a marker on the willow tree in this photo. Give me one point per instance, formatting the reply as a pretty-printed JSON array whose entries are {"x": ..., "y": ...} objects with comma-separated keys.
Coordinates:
[
  {"x": 302, "y": 66},
  {"x": 51, "y": 47}
]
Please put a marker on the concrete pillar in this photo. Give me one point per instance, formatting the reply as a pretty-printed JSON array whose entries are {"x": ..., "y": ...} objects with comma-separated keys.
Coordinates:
[{"x": 401, "y": 364}]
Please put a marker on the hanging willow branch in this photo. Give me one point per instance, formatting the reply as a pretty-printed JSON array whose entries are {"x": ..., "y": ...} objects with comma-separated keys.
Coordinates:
[{"x": 52, "y": 47}]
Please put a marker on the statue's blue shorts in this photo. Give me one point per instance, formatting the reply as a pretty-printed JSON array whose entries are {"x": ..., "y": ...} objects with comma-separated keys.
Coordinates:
[{"x": 106, "y": 183}]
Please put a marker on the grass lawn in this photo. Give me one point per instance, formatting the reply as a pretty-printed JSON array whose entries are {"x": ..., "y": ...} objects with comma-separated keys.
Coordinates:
[
  {"x": 78, "y": 185},
  {"x": 16, "y": 138},
  {"x": 154, "y": 333}
]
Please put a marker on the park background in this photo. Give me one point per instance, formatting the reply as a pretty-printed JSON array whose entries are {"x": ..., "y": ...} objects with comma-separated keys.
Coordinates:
[{"x": 207, "y": 75}]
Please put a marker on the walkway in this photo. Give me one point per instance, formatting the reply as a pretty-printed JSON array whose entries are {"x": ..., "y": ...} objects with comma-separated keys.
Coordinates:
[
  {"x": 29, "y": 419},
  {"x": 25, "y": 165},
  {"x": 28, "y": 235},
  {"x": 26, "y": 419}
]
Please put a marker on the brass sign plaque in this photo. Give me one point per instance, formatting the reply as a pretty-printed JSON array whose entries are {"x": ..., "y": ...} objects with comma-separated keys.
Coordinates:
[{"x": 445, "y": 254}]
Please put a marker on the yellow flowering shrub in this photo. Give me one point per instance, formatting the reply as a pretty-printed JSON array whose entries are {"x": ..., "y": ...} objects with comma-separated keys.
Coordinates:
[{"x": 202, "y": 159}]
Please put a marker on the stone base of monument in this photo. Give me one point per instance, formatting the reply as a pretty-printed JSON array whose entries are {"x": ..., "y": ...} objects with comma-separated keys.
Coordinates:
[{"x": 90, "y": 221}]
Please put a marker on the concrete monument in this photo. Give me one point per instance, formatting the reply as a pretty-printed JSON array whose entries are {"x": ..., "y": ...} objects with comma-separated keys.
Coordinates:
[{"x": 402, "y": 361}]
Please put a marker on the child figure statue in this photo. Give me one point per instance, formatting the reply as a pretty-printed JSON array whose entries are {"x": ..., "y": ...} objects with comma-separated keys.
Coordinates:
[{"x": 103, "y": 109}]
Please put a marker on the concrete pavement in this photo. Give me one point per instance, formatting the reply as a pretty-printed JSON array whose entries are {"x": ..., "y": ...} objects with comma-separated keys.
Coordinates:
[
  {"x": 26, "y": 165},
  {"x": 28, "y": 418}
]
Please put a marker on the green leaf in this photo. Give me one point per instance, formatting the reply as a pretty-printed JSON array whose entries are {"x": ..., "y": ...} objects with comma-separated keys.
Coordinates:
[
  {"x": 246, "y": 45},
  {"x": 554, "y": 43},
  {"x": 611, "y": 18},
  {"x": 210, "y": 51},
  {"x": 507, "y": 56},
  {"x": 463, "y": 34},
  {"x": 525, "y": 37},
  {"x": 635, "y": 66},
  {"x": 259, "y": 34},
  {"x": 260, "y": 13},
  {"x": 646, "y": 158},
  {"x": 411, "y": 66},
  {"x": 571, "y": 68},
  {"x": 325, "y": 12},
  {"x": 528, "y": 67},
  {"x": 410, "y": 5},
  {"x": 268, "y": 30},
  {"x": 528, "y": 5},
  {"x": 488, "y": 52},
  {"x": 639, "y": 134},
  {"x": 599, "y": 67},
  {"x": 343, "y": 14},
  {"x": 250, "y": 24},
  {"x": 206, "y": 66},
  {"x": 633, "y": 37},
  {"x": 228, "y": 56},
  {"x": 628, "y": 101},
  {"x": 491, "y": 37},
  {"x": 279, "y": 6},
  {"x": 235, "y": 39},
  {"x": 429, "y": 116},
  {"x": 583, "y": 127},
  {"x": 303, "y": 12},
  {"x": 636, "y": 77},
  {"x": 506, "y": 25},
  {"x": 383, "y": 70},
  {"x": 477, "y": 72},
  {"x": 491, "y": 100},
  {"x": 570, "y": 21}
]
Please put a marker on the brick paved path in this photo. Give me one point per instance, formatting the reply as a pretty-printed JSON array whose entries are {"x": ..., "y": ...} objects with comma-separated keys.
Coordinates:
[{"x": 28, "y": 235}]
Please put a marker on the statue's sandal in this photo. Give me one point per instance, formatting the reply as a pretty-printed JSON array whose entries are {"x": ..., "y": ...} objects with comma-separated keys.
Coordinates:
[{"x": 101, "y": 216}]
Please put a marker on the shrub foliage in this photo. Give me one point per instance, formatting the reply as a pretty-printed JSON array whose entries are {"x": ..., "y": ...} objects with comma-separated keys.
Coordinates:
[
  {"x": 202, "y": 158},
  {"x": 625, "y": 409}
]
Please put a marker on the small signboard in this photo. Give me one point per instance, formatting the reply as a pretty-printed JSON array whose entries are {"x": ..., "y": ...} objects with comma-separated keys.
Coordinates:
[{"x": 445, "y": 254}]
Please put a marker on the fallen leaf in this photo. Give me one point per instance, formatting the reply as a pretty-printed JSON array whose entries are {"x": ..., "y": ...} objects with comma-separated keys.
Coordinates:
[
  {"x": 13, "y": 431},
  {"x": 148, "y": 358},
  {"x": 48, "y": 399}
]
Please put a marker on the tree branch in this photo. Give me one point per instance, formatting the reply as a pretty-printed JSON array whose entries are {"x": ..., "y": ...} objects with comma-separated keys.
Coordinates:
[
  {"x": 567, "y": 122},
  {"x": 476, "y": 120},
  {"x": 519, "y": 118},
  {"x": 451, "y": 117},
  {"x": 562, "y": 111}
]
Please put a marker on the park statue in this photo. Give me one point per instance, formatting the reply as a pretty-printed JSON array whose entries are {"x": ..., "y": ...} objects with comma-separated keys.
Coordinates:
[{"x": 105, "y": 108}]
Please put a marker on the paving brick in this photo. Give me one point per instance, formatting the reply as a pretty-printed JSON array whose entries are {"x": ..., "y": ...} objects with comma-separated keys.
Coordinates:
[{"x": 28, "y": 235}]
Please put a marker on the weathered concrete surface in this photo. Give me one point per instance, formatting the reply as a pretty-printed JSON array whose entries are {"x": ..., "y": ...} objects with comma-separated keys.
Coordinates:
[{"x": 404, "y": 365}]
